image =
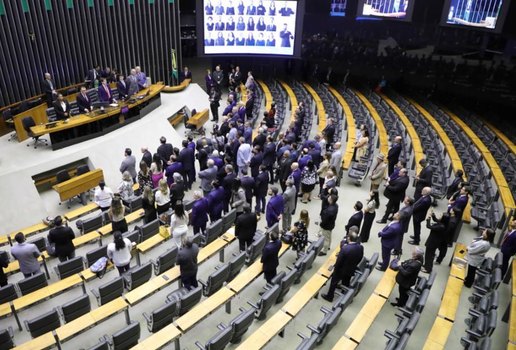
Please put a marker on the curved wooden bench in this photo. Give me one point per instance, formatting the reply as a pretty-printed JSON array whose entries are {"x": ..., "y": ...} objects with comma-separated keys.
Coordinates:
[
  {"x": 351, "y": 128},
  {"x": 501, "y": 136},
  {"x": 293, "y": 100},
  {"x": 501, "y": 182},
  {"x": 177, "y": 88},
  {"x": 448, "y": 145},
  {"x": 321, "y": 112},
  {"x": 382, "y": 131}
]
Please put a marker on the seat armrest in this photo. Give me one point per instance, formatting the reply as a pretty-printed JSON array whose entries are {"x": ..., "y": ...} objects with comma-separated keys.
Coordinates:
[
  {"x": 221, "y": 326},
  {"x": 26, "y": 325},
  {"x": 204, "y": 284},
  {"x": 147, "y": 317},
  {"x": 253, "y": 305},
  {"x": 313, "y": 329},
  {"x": 95, "y": 293},
  {"x": 390, "y": 334},
  {"x": 325, "y": 310},
  {"x": 199, "y": 345}
]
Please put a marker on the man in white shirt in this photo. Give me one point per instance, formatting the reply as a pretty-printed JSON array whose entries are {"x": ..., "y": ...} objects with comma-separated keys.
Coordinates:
[{"x": 243, "y": 155}]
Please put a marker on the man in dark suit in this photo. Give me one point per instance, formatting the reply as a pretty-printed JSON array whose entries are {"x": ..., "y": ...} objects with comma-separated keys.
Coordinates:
[
  {"x": 199, "y": 215},
  {"x": 260, "y": 192},
  {"x": 407, "y": 275},
  {"x": 256, "y": 161},
  {"x": 435, "y": 240},
  {"x": 216, "y": 201},
  {"x": 269, "y": 157},
  {"x": 284, "y": 170},
  {"x": 508, "y": 247},
  {"x": 245, "y": 227},
  {"x": 93, "y": 75},
  {"x": 389, "y": 237},
  {"x": 356, "y": 218},
  {"x": 147, "y": 156},
  {"x": 461, "y": 201},
  {"x": 62, "y": 237},
  {"x": 419, "y": 212},
  {"x": 83, "y": 101},
  {"x": 248, "y": 184},
  {"x": 329, "y": 132},
  {"x": 62, "y": 108},
  {"x": 395, "y": 192},
  {"x": 165, "y": 150},
  {"x": 187, "y": 157},
  {"x": 261, "y": 138},
  {"x": 350, "y": 254},
  {"x": 405, "y": 216},
  {"x": 394, "y": 154},
  {"x": 49, "y": 88},
  {"x": 328, "y": 218},
  {"x": 105, "y": 93},
  {"x": 122, "y": 87},
  {"x": 423, "y": 179},
  {"x": 270, "y": 258},
  {"x": 227, "y": 183},
  {"x": 187, "y": 261},
  {"x": 275, "y": 207},
  {"x": 454, "y": 186},
  {"x": 185, "y": 74}
]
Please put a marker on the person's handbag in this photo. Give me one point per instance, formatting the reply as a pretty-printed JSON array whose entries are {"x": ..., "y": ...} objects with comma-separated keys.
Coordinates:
[
  {"x": 287, "y": 238},
  {"x": 395, "y": 264},
  {"x": 164, "y": 231},
  {"x": 99, "y": 267}
]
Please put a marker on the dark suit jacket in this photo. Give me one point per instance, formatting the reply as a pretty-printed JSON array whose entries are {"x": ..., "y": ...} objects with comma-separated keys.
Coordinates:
[
  {"x": 508, "y": 247},
  {"x": 390, "y": 234},
  {"x": 260, "y": 140},
  {"x": 355, "y": 220},
  {"x": 187, "y": 157},
  {"x": 460, "y": 203},
  {"x": 91, "y": 75},
  {"x": 184, "y": 76},
  {"x": 261, "y": 184},
  {"x": 394, "y": 153},
  {"x": 248, "y": 184},
  {"x": 62, "y": 237},
  {"x": 199, "y": 216},
  {"x": 254, "y": 164},
  {"x": 421, "y": 207},
  {"x": 270, "y": 255},
  {"x": 216, "y": 201},
  {"x": 269, "y": 154},
  {"x": 45, "y": 85},
  {"x": 437, "y": 234},
  {"x": 165, "y": 150},
  {"x": 83, "y": 102},
  {"x": 103, "y": 95},
  {"x": 147, "y": 158},
  {"x": 60, "y": 113},
  {"x": 123, "y": 90},
  {"x": 275, "y": 208},
  {"x": 425, "y": 179},
  {"x": 396, "y": 188},
  {"x": 405, "y": 215},
  {"x": 328, "y": 217},
  {"x": 408, "y": 272},
  {"x": 245, "y": 226},
  {"x": 348, "y": 259},
  {"x": 227, "y": 183}
]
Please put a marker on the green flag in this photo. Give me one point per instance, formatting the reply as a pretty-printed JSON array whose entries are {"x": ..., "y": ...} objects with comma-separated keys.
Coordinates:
[
  {"x": 2, "y": 8},
  {"x": 174, "y": 64},
  {"x": 91, "y": 3},
  {"x": 48, "y": 5},
  {"x": 25, "y": 5},
  {"x": 69, "y": 4},
  {"x": 111, "y": 2}
]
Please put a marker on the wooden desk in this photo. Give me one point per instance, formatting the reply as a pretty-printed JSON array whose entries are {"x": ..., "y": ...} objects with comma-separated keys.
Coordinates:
[
  {"x": 152, "y": 286},
  {"x": 79, "y": 184},
  {"x": 386, "y": 284},
  {"x": 85, "y": 239},
  {"x": 512, "y": 322},
  {"x": 44, "y": 341},
  {"x": 304, "y": 295},
  {"x": 351, "y": 128},
  {"x": 263, "y": 335},
  {"x": 184, "y": 84},
  {"x": 130, "y": 218},
  {"x": 451, "y": 299},
  {"x": 330, "y": 261},
  {"x": 77, "y": 213},
  {"x": 170, "y": 333},
  {"x": 382, "y": 131},
  {"x": 438, "y": 335},
  {"x": 365, "y": 318},
  {"x": 31, "y": 230},
  {"x": 416, "y": 142},
  {"x": 457, "y": 270},
  {"x": 150, "y": 243},
  {"x": 345, "y": 343},
  {"x": 199, "y": 119},
  {"x": 203, "y": 309}
]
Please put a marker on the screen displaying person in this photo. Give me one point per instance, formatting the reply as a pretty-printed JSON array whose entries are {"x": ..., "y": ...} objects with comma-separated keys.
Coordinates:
[
  {"x": 219, "y": 9},
  {"x": 230, "y": 41},
  {"x": 241, "y": 8},
  {"x": 260, "y": 26},
  {"x": 250, "y": 40},
  {"x": 286, "y": 11},
  {"x": 230, "y": 9},
  {"x": 209, "y": 40},
  {"x": 219, "y": 25},
  {"x": 260, "y": 10},
  {"x": 261, "y": 40},
  {"x": 240, "y": 41},
  {"x": 251, "y": 9},
  {"x": 250, "y": 24},
  {"x": 272, "y": 9},
  {"x": 240, "y": 24},
  {"x": 285, "y": 36},
  {"x": 271, "y": 41},
  {"x": 208, "y": 9},
  {"x": 220, "y": 39},
  {"x": 271, "y": 27},
  {"x": 230, "y": 25},
  {"x": 209, "y": 24}
]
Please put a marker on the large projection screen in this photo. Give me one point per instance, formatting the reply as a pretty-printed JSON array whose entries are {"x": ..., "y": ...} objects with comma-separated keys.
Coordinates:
[
  {"x": 249, "y": 27},
  {"x": 388, "y": 9},
  {"x": 479, "y": 14}
]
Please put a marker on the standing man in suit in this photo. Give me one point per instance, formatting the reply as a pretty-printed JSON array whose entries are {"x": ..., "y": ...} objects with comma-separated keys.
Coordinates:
[
  {"x": 227, "y": 183},
  {"x": 141, "y": 77},
  {"x": 62, "y": 108},
  {"x": 336, "y": 160},
  {"x": 49, "y": 88},
  {"x": 237, "y": 76},
  {"x": 248, "y": 184},
  {"x": 165, "y": 150},
  {"x": 105, "y": 93},
  {"x": 508, "y": 247},
  {"x": 270, "y": 258},
  {"x": 351, "y": 252},
  {"x": 284, "y": 170},
  {"x": 199, "y": 215},
  {"x": 275, "y": 207},
  {"x": 62, "y": 237},
  {"x": 289, "y": 202},
  {"x": 435, "y": 239},
  {"x": 27, "y": 255},
  {"x": 329, "y": 132},
  {"x": 129, "y": 164},
  {"x": 423, "y": 179},
  {"x": 328, "y": 218},
  {"x": 93, "y": 76},
  {"x": 187, "y": 157},
  {"x": 407, "y": 275},
  {"x": 356, "y": 218},
  {"x": 389, "y": 237},
  {"x": 405, "y": 216},
  {"x": 218, "y": 78},
  {"x": 185, "y": 74},
  {"x": 147, "y": 156},
  {"x": 123, "y": 87},
  {"x": 394, "y": 154},
  {"x": 260, "y": 191},
  {"x": 83, "y": 101},
  {"x": 377, "y": 176},
  {"x": 207, "y": 176},
  {"x": 187, "y": 261},
  {"x": 395, "y": 192},
  {"x": 132, "y": 83},
  {"x": 419, "y": 212},
  {"x": 245, "y": 228}
]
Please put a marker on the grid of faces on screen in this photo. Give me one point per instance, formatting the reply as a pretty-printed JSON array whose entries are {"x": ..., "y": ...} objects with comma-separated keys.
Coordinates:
[{"x": 249, "y": 26}]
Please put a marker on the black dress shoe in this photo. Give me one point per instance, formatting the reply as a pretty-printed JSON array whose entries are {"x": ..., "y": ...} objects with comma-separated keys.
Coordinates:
[
  {"x": 326, "y": 297},
  {"x": 424, "y": 270},
  {"x": 412, "y": 236},
  {"x": 321, "y": 254},
  {"x": 413, "y": 242},
  {"x": 394, "y": 304},
  {"x": 379, "y": 268},
  {"x": 381, "y": 221}
]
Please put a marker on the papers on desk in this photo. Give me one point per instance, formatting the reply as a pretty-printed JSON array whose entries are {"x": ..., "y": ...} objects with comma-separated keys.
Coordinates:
[{"x": 114, "y": 105}]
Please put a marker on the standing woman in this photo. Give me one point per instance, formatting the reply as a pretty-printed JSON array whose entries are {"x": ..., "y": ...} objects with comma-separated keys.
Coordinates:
[
  {"x": 179, "y": 224},
  {"x": 119, "y": 252},
  {"x": 144, "y": 177},
  {"x": 117, "y": 215},
  {"x": 369, "y": 214},
  {"x": 126, "y": 187},
  {"x": 148, "y": 205},
  {"x": 162, "y": 197},
  {"x": 300, "y": 231},
  {"x": 323, "y": 169},
  {"x": 156, "y": 171},
  {"x": 476, "y": 253},
  {"x": 103, "y": 196},
  {"x": 361, "y": 145},
  {"x": 308, "y": 181}
]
